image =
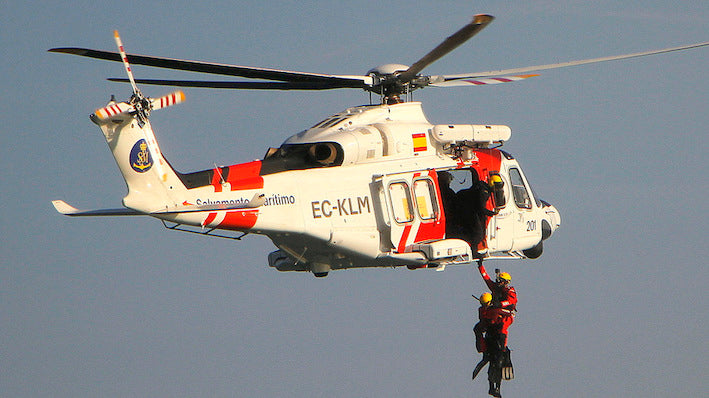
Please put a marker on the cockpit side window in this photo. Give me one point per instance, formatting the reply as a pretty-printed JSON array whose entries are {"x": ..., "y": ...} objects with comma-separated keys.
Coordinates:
[{"x": 519, "y": 190}]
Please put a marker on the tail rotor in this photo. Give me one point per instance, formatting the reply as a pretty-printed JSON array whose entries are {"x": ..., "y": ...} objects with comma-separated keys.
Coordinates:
[
  {"x": 116, "y": 108},
  {"x": 140, "y": 106}
]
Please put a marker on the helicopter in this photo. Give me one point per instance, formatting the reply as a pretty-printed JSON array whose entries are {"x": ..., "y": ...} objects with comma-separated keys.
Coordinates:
[{"x": 365, "y": 187}]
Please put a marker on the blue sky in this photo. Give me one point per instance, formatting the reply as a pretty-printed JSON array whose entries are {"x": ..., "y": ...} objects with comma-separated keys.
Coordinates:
[{"x": 121, "y": 307}]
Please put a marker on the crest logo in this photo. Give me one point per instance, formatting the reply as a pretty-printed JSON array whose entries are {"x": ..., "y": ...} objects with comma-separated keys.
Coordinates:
[{"x": 140, "y": 159}]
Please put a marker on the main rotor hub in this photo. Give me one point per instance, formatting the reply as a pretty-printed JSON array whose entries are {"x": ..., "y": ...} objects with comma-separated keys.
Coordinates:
[
  {"x": 387, "y": 82},
  {"x": 387, "y": 70}
]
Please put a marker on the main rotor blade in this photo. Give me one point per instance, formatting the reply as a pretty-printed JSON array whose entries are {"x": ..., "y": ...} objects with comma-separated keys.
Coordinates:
[
  {"x": 217, "y": 69},
  {"x": 474, "y": 75},
  {"x": 481, "y": 81},
  {"x": 449, "y": 44},
  {"x": 247, "y": 85}
]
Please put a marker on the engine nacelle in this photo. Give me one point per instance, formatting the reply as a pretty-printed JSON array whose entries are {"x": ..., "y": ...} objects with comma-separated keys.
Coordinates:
[{"x": 361, "y": 145}]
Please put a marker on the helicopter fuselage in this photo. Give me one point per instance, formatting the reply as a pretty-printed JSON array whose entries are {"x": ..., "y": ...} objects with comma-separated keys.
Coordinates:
[{"x": 362, "y": 189}]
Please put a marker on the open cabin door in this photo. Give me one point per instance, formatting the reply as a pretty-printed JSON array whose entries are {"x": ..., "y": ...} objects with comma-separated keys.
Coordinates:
[{"x": 414, "y": 206}]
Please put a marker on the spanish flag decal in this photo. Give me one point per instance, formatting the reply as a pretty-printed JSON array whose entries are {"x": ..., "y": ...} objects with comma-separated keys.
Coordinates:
[{"x": 419, "y": 140}]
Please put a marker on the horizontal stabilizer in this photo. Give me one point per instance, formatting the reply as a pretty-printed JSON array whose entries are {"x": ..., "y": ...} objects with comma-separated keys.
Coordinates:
[
  {"x": 257, "y": 201},
  {"x": 69, "y": 210}
]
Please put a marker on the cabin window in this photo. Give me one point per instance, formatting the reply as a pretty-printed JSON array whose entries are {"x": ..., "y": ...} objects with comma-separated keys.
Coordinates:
[
  {"x": 426, "y": 199},
  {"x": 519, "y": 190},
  {"x": 401, "y": 202}
]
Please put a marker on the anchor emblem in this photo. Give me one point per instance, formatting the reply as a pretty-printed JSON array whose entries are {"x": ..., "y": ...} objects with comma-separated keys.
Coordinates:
[{"x": 140, "y": 159}]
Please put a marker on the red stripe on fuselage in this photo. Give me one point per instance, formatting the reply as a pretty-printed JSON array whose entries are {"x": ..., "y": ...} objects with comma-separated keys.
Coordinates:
[
  {"x": 430, "y": 231},
  {"x": 210, "y": 217},
  {"x": 488, "y": 160},
  {"x": 245, "y": 176},
  {"x": 239, "y": 176},
  {"x": 240, "y": 220},
  {"x": 404, "y": 236}
]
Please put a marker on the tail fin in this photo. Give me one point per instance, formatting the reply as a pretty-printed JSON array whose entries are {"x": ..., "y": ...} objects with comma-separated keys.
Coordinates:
[{"x": 152, "y": 183}]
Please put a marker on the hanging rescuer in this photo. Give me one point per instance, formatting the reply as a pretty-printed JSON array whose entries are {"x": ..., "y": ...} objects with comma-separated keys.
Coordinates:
[
  {"x": 490, "y": 341},
  {"x": 504, "y": 297},
  {"x": 487, "y": 318}
]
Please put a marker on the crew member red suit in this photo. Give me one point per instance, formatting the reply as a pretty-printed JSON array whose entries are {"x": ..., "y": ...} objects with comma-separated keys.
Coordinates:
[
  {"x": 504, "y": 298},
  {"x": 489, "y": 319}
]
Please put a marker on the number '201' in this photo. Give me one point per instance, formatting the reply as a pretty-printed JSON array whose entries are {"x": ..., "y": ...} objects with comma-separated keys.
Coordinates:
[{"x": 531, "y": 225}]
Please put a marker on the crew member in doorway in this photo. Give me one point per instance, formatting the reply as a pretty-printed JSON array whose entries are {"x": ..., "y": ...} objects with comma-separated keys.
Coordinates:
[
  {"x": 472, "y": 207},
  {"x": 497, "y": 188}
]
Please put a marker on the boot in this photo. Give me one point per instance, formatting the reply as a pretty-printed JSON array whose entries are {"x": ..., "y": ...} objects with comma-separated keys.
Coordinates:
[{"x": 494, "y": 390}]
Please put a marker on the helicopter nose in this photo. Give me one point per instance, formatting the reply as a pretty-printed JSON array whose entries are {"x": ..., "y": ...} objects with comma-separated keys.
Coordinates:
[{"x": 551, "y": 221}]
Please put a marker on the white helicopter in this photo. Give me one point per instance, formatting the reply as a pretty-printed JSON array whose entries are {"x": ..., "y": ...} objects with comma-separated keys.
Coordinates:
[{"x": 365, "y": 187}]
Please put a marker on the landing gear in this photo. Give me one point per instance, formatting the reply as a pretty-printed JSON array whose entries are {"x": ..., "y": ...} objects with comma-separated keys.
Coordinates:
[{"x": 320, "y": 274}]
